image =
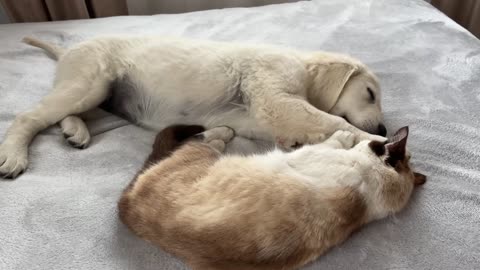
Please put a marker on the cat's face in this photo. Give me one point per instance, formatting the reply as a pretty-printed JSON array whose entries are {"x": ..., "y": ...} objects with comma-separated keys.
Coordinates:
[{"x": 396, "y": 178}]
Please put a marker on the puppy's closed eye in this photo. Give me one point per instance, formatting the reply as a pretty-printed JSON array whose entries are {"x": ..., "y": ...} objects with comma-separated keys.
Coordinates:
[{"x": 371, "y": 94}]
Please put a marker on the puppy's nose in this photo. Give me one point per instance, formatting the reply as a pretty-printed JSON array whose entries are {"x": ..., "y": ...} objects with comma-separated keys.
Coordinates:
[{"x": 382, "y": 130}]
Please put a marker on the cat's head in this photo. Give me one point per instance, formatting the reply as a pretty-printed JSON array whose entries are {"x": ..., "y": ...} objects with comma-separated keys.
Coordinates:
[{"x": 396, "y": 178}]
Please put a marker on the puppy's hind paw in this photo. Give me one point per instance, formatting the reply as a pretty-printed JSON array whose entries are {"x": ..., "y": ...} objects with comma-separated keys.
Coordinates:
[
  {"x": 75, "y": 132},
  {"x": 79, "y": 142},
  {"x": 13, "y": 161}
]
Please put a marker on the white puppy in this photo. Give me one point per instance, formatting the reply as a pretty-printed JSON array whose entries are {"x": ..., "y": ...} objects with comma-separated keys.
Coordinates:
[{"x": 262, "y": 92}]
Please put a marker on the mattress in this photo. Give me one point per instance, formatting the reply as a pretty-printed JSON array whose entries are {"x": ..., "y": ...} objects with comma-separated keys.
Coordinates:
[{"x": 61, "y": 214}]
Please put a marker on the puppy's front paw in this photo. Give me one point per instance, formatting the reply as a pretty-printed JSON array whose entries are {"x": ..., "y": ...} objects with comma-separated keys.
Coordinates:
[{"x": 13, "y": 161}]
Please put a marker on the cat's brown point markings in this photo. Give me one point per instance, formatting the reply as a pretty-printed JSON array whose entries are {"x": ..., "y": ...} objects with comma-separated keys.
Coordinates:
[
  {"x": 377, "y": 147},
  {"x": 237, "y": 214}
]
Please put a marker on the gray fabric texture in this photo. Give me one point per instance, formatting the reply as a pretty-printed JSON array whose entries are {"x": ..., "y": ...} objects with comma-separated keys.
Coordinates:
[{"x": 61, "y": 214}]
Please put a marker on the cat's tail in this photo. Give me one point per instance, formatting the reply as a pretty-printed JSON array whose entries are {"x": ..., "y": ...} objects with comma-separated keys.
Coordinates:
[
  {"x": 54, "y": 50},
  {"x": 167, "y": 141}
]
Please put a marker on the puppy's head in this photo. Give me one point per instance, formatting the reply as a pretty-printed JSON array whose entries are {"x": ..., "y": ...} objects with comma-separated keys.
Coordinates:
[{"x": 344, "y": 87}]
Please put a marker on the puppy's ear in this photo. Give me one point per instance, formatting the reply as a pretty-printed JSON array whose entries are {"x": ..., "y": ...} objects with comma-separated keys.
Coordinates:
[{"x": 329, "y": 79}]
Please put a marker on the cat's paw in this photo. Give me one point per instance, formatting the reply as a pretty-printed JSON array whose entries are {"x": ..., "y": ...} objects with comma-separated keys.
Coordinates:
[
  {"x": 346, "y": 138},
  {"x": 369, "y": 137},
  {"x": 290, "y": 144},
  {"x": 217, "y": 144},
  {"x": 13, "y": 160},
  {"x": 223, "y": 133}
]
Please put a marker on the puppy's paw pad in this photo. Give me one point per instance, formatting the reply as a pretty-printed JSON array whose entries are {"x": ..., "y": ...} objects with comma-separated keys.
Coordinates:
[
  {"x": 13, "y": 162},
  {"x": 296, "y": 145},
  {"x": 75, "y": 132},
  {"x": 77, "y": 144},
  {"x": 287, "y": 145}
]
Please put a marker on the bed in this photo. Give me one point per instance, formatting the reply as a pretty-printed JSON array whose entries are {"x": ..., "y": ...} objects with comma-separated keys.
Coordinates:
[{"x": 61, "y": 214}]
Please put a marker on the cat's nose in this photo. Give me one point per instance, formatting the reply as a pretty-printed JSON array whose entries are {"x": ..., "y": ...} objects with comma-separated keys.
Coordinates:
[{"x": 382, "y": 130}]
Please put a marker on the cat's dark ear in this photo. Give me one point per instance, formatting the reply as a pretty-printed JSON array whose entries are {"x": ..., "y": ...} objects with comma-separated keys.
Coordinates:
[
  {"x": 420, "y": 179},
  {"x": 396, "y": 146},
  {"x": 377, "y": 147}
]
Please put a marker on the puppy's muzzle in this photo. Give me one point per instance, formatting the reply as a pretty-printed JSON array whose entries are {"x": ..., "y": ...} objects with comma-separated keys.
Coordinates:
[{"x": 382, "y": 130}]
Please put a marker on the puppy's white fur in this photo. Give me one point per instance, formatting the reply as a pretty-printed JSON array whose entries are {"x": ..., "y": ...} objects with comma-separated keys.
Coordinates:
[{"x": 262, "y": 92}]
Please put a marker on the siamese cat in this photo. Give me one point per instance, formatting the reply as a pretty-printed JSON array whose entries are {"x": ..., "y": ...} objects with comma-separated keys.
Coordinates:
[{"x": 273, "y": 211}]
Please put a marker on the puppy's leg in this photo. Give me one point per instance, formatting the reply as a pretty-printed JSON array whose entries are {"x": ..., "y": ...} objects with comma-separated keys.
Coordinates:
[
  {"x": 292, "y": 120},
  {"x": 69, "y": 97},
  {"x": 75, "y": 131},
  {"x": 277, "y": 99}
]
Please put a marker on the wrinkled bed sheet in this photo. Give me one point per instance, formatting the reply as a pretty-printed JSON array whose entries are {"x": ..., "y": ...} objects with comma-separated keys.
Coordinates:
[{"x": 61, "y": 214}]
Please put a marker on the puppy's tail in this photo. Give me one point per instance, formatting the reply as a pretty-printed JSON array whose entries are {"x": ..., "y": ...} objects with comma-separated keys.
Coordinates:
[{"x": 54, "y": 50}]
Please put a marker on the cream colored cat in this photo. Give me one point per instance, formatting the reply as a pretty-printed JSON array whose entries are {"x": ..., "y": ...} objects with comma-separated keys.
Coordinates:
[{"x": 272, "y": 211}]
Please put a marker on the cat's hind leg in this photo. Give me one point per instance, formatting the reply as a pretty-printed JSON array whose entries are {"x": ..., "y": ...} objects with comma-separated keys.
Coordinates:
[{"x": 217, "y": 137}]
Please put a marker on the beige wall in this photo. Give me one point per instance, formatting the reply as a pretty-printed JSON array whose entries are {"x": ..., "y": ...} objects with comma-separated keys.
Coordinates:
[
  {"x": 464, "y": 12},
  {"x": 148, "y": 7}
]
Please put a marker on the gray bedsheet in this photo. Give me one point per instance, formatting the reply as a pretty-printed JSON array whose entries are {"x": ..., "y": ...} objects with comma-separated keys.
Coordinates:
[{"x": 61, "y": 214}]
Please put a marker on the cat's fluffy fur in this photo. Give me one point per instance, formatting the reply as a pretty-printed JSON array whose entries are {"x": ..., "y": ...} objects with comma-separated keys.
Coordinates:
[{"x": 272, "y": 211}]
